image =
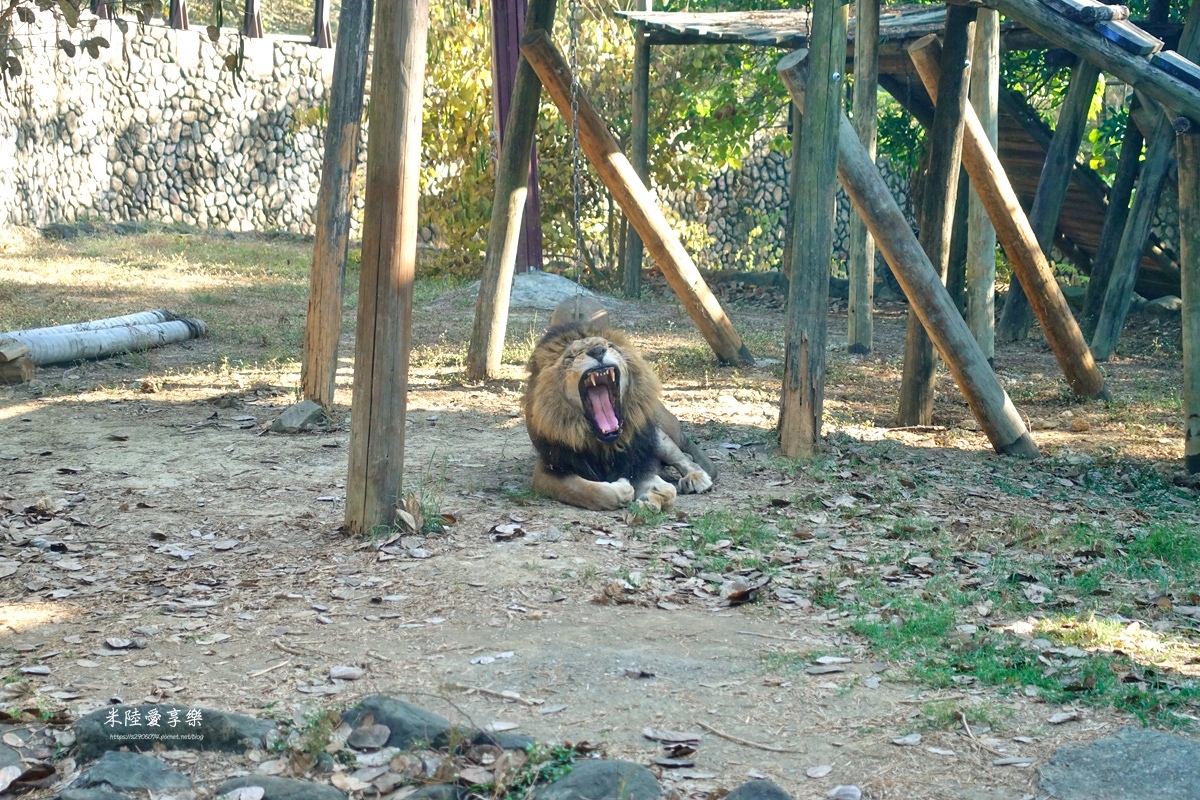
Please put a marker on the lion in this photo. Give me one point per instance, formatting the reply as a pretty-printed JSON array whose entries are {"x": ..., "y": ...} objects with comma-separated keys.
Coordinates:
[{"x": 594, "y": 416}]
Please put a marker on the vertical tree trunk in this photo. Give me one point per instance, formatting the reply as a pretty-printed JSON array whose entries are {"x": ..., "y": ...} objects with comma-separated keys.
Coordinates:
[
  {"x": 375, "y": 483},
  {"x": 486, "y": 348},
  {"x": 335, "y": 202},
  {"x": 939, "y": 192},
  {"x": 252, "y": 20},
  {"x": 956, "y": 274},
  {"x": 981, "y": 244},
  {"x": 322, "y": 35},
  {"x": 801, "y": 405},
  {"x": 861, "y": 267},
  {"x": 639, "y": 145},
  {"x": 178, "y": 15},
  {"x": 1052, "y": 188},
  {"x": 1188, "y": 149}
]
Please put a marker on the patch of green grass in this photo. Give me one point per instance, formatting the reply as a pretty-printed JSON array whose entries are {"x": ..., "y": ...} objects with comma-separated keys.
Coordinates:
[
  {"x": 949, "y": 715},
  {"x": 723, "y": 540}
]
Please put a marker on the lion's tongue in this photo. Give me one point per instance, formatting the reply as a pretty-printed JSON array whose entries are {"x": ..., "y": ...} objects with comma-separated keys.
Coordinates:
[{"x": 602, "y": 409}]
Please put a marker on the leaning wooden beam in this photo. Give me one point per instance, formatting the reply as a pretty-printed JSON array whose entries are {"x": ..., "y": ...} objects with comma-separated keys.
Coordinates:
[
  {"x": 486, "y": 348},
  {"x": 335, "y": 198},
  {"x": 939, "y": 191},
  {"x": 807, "y": 317},
  {"x": 874, "y": 203},
  {"x": 1115, "y": 218},
  {"x": 639, "y": 144},
  {"x": 1052, "y": 188},
  {"x": 635, "y": 200},
  {"x": 1088, "y": 44},
  {"x": 861, "y": 266},
  {"x": 1160, "y": 146},
  {"x": 1188, "y": 148},
  {"x": 1019, "y": 242},
  {"x": 375, "y": 482}
]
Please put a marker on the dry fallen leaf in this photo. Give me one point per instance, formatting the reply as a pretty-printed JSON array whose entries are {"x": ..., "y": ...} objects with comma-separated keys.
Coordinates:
[{"x": 819, "y": 771}]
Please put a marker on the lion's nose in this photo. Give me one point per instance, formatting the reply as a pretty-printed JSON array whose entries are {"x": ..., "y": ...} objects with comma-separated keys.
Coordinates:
[{"x": 597, "y": 352}]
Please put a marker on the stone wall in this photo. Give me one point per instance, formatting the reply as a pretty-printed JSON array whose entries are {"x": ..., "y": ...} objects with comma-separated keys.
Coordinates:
[{"x": 156, "y": 129}]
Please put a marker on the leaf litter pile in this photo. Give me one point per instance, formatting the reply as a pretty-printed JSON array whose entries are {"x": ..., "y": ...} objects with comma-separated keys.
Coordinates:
[{"x": 907, "y": 592}]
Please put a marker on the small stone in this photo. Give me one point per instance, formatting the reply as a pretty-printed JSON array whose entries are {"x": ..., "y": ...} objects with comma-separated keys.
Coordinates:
[
  {"x": 132, "y": 772},
  {"x": 298, "y": 417},
  {"x": 1080, "y": 425},
  {"x": 282, "y": 788},
  {"x": 603, "y": 780},
  {"x": 758, "y": 790},
  {"x": 343, "y": 673}
]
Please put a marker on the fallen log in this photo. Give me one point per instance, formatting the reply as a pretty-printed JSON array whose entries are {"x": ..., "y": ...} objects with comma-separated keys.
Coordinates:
[{"x": 78, "y": 342}]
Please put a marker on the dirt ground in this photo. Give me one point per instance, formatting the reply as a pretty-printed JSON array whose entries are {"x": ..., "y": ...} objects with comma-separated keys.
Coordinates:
[{"x": 141, "y": 497}]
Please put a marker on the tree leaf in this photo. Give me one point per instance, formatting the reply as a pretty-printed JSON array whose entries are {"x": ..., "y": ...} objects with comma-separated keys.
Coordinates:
[
  {"x": 70, "y": 12},
  {"x": 67, "y": 47}
]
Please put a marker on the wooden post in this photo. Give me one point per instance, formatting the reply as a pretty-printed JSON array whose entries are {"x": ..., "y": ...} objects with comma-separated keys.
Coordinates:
[
  {"x": 177, "y": 17},
  {"x": 1115, "y": 218},
  {"x": 1052, "y": 188},
  {"x": 802, "y": 401},
  {"x": 874, "y": 203},
  {"x": 1135, "y": 70},
  {"x": 1020, "y": 243},
  {"x": 103, "y": 8},
  {"x": 1159, "y": 147},
  {"x": 639, "y": 145},
  {"x": 252, "y": 20},
  {"x": 956, "y": 274},
  {"x": 375, "y": 483},
  {"x": 335, "y": 200},
  {"x": 861, "y": 266},
  {"x": 938, "y": 192},
  {"x": 1188, "y": 149},
  {"x": 508, "y": 26},
  {"x": 981, "y": 236},
  {"x": 635, "y": 200},
  {"x": 486, "y": 348},
  {"x": 322, "y": 35},
  {"x": 794, "y": 170}
]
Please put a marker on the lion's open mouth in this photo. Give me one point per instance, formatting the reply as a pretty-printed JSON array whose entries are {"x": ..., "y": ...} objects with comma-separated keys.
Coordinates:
[{"x": 599, "y": 391}]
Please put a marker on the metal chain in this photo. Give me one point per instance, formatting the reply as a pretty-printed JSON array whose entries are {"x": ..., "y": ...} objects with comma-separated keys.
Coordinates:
[{"x": 576, "y": 162}]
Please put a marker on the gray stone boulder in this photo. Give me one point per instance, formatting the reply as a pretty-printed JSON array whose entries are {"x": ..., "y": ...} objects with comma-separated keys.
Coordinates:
[
  {"x": 90, "y": 794},
  {"x": 1169, "y": 307},
  {"x": 282, "y": 788},
  {"x": 299, "y": 417},
  {"x": 408, "y": 724},
  {"x": 99, "y": 732},
  {"x": 758, "y": 790},
  {"x": 441, "y": 791},
  {"x": 603, "y": 780},
  {"x": 131, "y": 772},
  {"x": 1134, "y": 763}
]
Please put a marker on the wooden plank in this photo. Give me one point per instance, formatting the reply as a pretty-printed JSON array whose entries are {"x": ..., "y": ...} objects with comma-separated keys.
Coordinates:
[
  {"x": 486, "y": 347},
  {"x": 1115, "y": 217},
  {"x": 861, "y": 263},
  {"x": 1188, "y": 147},
  {"x": 11, "y": 350},
  {"x": 375, "y": 482},
  {"x": 1087, "y": 43},
  {"x": 335, "y": 199},
  {"x": 1118, "y": 295},
  {"x": 981, "y": 236},
  {"x": 1020, "y": 243},
  {"x": 802, "y": 399},
  {"x": 935, "y": 218},
  {"x": 639, "y": 146},
  {"x": 635, "y": 200},
  {"x": 1129, "y": 37},
  {"x": 1087, "y": 11},
  {"x": 1171, "y": 62},
  {"x": 1052, "y": 188},
  {"x": 873, "y": 201}
]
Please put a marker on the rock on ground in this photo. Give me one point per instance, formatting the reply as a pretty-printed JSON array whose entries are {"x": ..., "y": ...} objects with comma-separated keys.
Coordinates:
[
  {"x": 131, "y": 772},
  {"x": 544, "y": 291},
  {"x": 282, "y": 788},
  {"x": 1134, "y": 763},
  {"x": 298, "y": 417},
  {"x": 218, "y": 730},
  {"x": 603, "y": 780},
  {"x": 758, "y": 790},
  {"x": 90, "y": 794},
  {"x": 408, "y": 723}
]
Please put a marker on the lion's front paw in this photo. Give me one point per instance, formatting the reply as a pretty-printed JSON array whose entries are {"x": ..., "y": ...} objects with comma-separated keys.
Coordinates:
[
  {"x": 658, "y": 498},
  {"x": 617, "y": 494},
  {"x": 695, "y": 482}
]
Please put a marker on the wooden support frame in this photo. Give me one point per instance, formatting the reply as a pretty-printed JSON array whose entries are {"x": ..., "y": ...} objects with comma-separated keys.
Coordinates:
[
  {"x": 177, "y": 15},
  {"x": 615, "y": 171},
  {"x": 103, "y": 9},
  {"x": 1160, "y": 145},
  {"x": 486, "y": 347},
  {"x": 335, "y": 200},
  {"x": 860, "y": 328},
  {"x": 939, "y": 192},
  {"x": 252, "y": 27},
  {"x": 873, "y": 201},
  {"x": 322, "y": 34},
  {"x": 807, "y": 318},
  {"x": 375, "y": 483},
  {"x": 1017, "y": 237},
  {"x": 1188, "y": 149},
  {"x": 956, "y": 273},
  {"x": 1116, "y": 215},
  {"x": 981, "y": 236},
  {"x": 639, "y": 146},
  {"x": 1052, "y": 188}
]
